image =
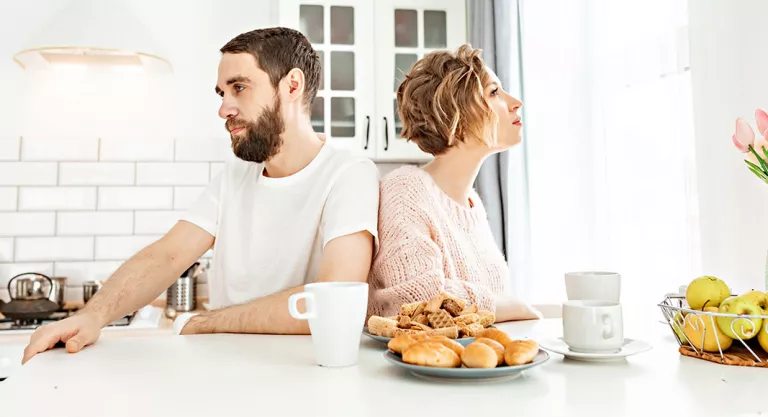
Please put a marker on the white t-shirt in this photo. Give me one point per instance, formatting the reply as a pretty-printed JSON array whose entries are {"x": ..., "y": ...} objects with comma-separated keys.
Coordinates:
[{"x": 270, "y": 232}]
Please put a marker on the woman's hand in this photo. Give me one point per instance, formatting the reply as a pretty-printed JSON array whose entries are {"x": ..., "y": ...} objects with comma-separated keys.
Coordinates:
[{"x": 510, "y": 309}]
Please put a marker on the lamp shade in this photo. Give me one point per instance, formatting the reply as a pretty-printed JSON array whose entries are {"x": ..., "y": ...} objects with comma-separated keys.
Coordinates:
[{"x": 93, "y": 33}]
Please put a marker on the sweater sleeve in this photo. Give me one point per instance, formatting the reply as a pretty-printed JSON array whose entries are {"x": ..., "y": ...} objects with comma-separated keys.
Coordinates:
[{"x": 409, "y": 267}]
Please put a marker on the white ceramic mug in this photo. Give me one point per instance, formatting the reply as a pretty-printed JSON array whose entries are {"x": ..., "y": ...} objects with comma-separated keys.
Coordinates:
[
  {"x": 593, "y": 285},
  {"x": 336, "y": 313},
  {"x": 593, "y": 326}
]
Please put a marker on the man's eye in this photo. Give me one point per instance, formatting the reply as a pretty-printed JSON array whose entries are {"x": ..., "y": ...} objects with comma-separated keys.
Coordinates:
[{"x": 239, "y": 88}]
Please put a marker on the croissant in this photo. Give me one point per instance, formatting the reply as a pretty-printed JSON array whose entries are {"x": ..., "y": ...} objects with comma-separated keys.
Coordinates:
[{"x": 520, "y": 352}]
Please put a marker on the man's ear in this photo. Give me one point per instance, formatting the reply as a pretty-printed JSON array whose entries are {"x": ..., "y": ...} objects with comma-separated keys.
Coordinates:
[{"x": 294, "y": 81}]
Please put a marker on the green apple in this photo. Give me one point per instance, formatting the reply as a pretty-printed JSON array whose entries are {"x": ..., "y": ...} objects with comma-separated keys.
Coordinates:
[
  {"x": 678, "y": 322},
  {"x": 760, "y": 298},
  {"x": 706, "y": 291},
  {"x": 745, "y": 328},
  {"x": 762, "y": 338}
]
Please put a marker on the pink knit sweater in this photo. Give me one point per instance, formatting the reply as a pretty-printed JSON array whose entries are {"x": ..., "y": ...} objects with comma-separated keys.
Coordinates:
[{"x": 428, "y": 244}]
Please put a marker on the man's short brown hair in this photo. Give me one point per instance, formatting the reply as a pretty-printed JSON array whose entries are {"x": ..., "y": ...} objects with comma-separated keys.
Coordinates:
[
  {"x": 277, "y": 51},
  {"x": 441, "y": 101}
]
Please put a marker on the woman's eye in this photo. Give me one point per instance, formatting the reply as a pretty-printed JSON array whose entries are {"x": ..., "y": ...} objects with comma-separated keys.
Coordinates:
[{"x": 494, "y": 92}]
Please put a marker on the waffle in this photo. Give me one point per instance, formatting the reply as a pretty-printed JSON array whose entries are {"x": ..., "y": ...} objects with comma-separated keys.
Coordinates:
[
  {"x": 421, "y": 318},
  {"x": 408, "y": 309},
  {"x": 404, "y": 322},
  {"x": 453, "y": 307},
  {"x": 440, "y": 319},
  {"x": 381, "y": 326},
  {"x": 486, "y": 318},
  {"x": 467, "y": 318}
]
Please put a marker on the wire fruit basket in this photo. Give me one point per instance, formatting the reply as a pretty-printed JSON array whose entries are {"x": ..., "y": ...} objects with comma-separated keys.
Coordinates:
[{"x": 700, "y": 334}]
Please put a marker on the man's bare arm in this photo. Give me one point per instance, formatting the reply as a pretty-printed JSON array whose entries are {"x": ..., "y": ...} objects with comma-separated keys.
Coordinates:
[
  {"x": 148, "y": 273},
  {"x": 136, "y": 283},
  {"x": 346, "y": 258}
]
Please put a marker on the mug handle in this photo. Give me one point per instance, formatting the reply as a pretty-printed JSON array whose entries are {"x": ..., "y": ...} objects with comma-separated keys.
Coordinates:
[
  {"x": 607, "y": 326},
  {"x": 309, "y": 299}
]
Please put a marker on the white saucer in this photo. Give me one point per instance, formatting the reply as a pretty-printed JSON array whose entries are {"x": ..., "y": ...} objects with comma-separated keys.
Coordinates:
[{"x": 631, "y": 347}]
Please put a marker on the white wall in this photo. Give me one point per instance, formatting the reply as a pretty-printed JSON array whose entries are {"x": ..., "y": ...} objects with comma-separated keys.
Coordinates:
[
  {"x": 729, "y": 68},
  {"x": 93, "y": 166}
]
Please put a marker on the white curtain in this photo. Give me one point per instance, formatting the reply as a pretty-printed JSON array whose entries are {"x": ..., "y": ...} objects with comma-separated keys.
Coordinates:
[{"x": 609, "y": 145}]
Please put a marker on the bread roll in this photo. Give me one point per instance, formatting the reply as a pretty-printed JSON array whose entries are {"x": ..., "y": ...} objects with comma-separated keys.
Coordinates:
[
  {"x": 495, "y": 334},
  {"x": 399, "y": 343},
  {"x": 479, "y": 355},
  {"x": 432, "y": 354},
  {"x": 496, "y": 346},
  {"x": 520, "y": 352},
  {"x": 449, "y": 343}
]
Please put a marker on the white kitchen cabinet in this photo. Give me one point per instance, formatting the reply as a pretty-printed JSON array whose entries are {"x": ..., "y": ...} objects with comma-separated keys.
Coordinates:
[{"x": 366, "y": 46}]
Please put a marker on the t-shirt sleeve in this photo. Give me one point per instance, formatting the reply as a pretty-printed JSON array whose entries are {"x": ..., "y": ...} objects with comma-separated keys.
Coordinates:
[
  {"x": 353, "y": 203},
  {"x": 204, "y": 212}
]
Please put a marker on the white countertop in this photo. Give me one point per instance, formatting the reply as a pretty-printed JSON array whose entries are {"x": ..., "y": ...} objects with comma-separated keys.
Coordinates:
[{"x": 222, "y": 375}]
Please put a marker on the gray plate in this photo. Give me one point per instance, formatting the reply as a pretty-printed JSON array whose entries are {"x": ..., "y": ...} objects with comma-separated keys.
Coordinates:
[
  {"x": 385, "y": 340},
  {"x": 466, "y": 374}
]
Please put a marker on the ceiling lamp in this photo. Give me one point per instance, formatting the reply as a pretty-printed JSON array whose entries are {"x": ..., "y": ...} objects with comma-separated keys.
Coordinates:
[{"x": 94, "y": 34}]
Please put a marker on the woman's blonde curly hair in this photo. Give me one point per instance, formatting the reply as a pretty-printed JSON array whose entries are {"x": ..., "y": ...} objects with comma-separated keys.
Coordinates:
[{"x": 441, "y": 101}]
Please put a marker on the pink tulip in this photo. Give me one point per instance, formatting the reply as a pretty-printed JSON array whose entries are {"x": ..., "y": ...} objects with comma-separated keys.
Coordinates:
[
  {"x": 762, "y": 121},
  {"x": 760, "y": 144},
  {"x": 744, "y": 135}
]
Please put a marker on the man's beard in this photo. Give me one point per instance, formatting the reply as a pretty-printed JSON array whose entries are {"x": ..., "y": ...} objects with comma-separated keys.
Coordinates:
[{"x": 260, "y": 140}]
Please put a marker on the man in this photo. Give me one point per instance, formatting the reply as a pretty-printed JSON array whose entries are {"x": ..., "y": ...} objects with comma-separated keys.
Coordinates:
[{"x": 289, "y": 210}]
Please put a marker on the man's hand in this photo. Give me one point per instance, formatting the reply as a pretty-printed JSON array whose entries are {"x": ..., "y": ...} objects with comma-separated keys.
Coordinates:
[{"x": 76, "y": 332}]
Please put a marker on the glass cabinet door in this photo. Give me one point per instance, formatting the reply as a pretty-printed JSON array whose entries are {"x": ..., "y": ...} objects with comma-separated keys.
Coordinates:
[
  {"x": 406, "y": 31},
  {"x": 341, "y": 33}
]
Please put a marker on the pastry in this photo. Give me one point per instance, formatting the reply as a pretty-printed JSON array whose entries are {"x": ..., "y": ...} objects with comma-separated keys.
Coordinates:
[
  {"x": 463, "y": 330},
  {"x": 474, "y": 329},
  {"x": 399, "y": 343},
  {"x": 418, "y": 326},
  {"x": 495, "y": 334},
  {"x": 408, "y": 309},
  {"x": 479, "y": 355},
  {"x": 381, "y": 326},
  {"x": 449, "y": 343},
  {"x": 433, "y": 354},
  {"x": 469, "y": 309},
  {"x": 467, "y": 318},
  {"x": 496, "y": 346},
  {"x": 404, "y": 322},
  {"x": 453, "y": 305},
  {"x": 420, "y": 309},
  {"x": 421, "y": 318},
  {"x": 486, "y": 318},
  {"x": 520, "y": 352},
  {"x": 449, "y": 332},
  {"x": 434, "y": 304},
  {"x": 440, "y": 319}
]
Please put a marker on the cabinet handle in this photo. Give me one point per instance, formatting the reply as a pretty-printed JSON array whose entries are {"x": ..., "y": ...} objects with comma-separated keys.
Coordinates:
[
  {"x": 367, "y": 131},
  {"x": 386, "y": 135}
]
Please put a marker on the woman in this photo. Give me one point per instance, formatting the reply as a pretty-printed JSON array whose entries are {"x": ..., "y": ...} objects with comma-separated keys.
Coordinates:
[{"x": 433, "y": 230}]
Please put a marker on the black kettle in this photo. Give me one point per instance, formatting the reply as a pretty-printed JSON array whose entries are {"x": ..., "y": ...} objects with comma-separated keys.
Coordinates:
[{"x": 33, "y": 304}]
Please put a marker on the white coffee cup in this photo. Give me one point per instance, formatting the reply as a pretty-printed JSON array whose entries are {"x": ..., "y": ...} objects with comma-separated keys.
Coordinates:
[
  {"x": 593, "y": 285},
  {"x": 591, "y": 326},
  {"x": 336, "y": 313}
]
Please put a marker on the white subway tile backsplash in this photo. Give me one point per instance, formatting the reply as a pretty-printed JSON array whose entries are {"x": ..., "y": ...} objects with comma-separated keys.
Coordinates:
[
  {"x": 203, "y": 150},
  {"x": 79, "y": 272},
  {"x": 57, "y": 198},
  {"x": 27, "y": 224},
  {"x": 155, "y": 222},
  {"x": 9, "y": 149},
  {"x": 58, "y": 149},
  {"x": 28, "y": 173},
  {"x": 216, "y": 167},
  {"x": 96, "y": 173},
  {"x": 94, "y": 223},
  {"x": 121, "y": 247},
  {"x": 179, "y": 173},
  {"x": 136, "y": 150},
  {"x": 184, "y": 197},
  {"x": 6, "y": 249},
  {"x": 8, "y": 198},
  {"x": 10, "y": 270},
  {"x": 54, "y": 248},
  {"x": 135, "y": 198}
]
